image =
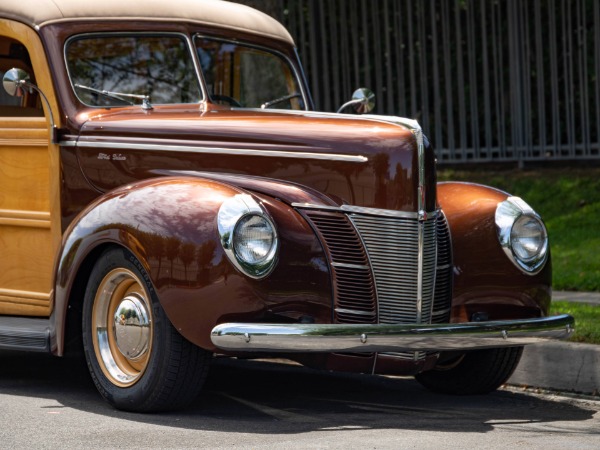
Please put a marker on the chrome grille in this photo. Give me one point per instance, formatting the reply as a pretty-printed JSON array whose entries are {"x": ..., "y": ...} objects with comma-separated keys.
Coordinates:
[
  {"x": 392, "y": 245},
  {"x": 354, "y": 289},
  {"x": 375, "y": 266}
]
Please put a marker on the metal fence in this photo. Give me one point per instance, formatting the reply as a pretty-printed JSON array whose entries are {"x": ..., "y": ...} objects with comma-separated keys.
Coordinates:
[{"x": 489, "y": 80}]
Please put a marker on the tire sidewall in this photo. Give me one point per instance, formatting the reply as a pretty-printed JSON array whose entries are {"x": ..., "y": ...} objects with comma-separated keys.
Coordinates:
[{"x": 141, "y": 392}]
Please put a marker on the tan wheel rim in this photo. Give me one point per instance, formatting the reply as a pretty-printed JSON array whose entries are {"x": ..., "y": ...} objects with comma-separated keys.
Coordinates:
[{"x": 122, "y": 327}]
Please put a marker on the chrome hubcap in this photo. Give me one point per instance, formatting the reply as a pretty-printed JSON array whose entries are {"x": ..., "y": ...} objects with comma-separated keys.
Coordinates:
[
  {"x": 122, "y": 327},
  {"x": 132, "y": 327}
]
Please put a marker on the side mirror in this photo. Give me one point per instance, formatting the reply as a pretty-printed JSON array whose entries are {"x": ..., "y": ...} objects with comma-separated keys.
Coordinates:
[
  {"x": 363, "y": 101},
  {"x": 15, "y": 81}
]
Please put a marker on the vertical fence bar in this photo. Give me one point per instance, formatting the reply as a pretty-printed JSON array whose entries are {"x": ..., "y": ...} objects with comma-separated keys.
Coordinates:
[
  {"x": 567, "y": 74},
  {"x": 437, "y": 98},
  {"x": 365, "y": 33},
  {"x": 472, "y": 71},
  {"x": 400, "y": 59},
  {"x": 553, "y": 35},
  {"x": 583, "y": 121},
  {"x": 539, "y": 52},
  {"x": 389, "y": 80},
  {"x": 462, "y": 111},
  {"x": 376, "y": 53},
  {"x": 597, "y": 73},
  {"x": 486, "y": 82},
  {"x": 423, "y": 69},
  {"x": 410, "y": 41}
]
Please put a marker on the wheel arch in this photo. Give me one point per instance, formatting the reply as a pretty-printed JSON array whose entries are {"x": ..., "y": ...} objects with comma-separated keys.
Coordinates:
[{"x": 111, "y": 221}]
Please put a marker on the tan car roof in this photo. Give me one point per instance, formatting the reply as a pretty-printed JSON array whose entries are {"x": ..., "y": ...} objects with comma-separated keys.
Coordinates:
[{"x": 38, "y": 13}]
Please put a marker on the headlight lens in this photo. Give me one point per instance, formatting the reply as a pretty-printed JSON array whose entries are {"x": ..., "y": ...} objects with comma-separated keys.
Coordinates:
[
  {"x": 253, "y": 239},
  {"x": 522, "y": 235},
  {"x": 528, "y": 238},
  {"x": 248, "y": 236}
]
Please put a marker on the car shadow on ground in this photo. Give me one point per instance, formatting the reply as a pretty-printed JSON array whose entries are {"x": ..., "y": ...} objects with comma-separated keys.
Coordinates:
[{"x": 270, "y": 398}]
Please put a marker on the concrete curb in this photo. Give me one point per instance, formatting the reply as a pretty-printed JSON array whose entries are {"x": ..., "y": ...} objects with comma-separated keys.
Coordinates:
[
  {"x": 562, "y": 366},
  {"x": 592, "y": 298}
]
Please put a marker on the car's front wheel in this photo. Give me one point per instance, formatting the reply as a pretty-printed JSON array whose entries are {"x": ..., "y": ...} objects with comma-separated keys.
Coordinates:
[
  {"x": 137, "y": 359},
  {"x": 475, "y": 372}
]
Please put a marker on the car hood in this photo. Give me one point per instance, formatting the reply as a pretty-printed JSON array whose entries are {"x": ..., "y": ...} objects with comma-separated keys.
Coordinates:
[{"x": 368, "y": 162}]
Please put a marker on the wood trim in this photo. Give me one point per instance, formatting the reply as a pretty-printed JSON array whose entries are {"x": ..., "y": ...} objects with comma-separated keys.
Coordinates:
[
  {"x": 18, "y": 123},
  {"x": 22, "y": 142},
  {"x": 25, "y": 303},
  {"x": 34, "y": 219},
  {"x": 25, "y": 297}
]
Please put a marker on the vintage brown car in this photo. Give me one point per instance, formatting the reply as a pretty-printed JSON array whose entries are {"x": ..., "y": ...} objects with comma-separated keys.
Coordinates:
[{"x": 167, "y": 193}]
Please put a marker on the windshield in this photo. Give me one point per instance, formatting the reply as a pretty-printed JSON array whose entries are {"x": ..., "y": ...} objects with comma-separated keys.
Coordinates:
[
  {"x": 118, "y": 70},
  {"x": 239, "y": 75}
]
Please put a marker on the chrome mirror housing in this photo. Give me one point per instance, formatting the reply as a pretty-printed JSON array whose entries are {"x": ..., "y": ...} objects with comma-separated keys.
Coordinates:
[
  {"x": 14, "y": 81},
  {"x": 363, "y": 101}
]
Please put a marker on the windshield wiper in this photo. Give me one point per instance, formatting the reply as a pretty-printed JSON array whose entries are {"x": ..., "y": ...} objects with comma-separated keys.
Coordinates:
[
  {"x": 280, "y": 99},
  {"x": 118, "y": 96}
]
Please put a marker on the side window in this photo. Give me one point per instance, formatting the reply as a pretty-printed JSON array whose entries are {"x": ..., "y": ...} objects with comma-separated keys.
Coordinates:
[{"x": 14, "y": 54}]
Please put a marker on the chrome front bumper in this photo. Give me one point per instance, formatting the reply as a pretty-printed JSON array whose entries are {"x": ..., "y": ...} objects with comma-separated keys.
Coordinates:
[{"x": 288, "y": 338}]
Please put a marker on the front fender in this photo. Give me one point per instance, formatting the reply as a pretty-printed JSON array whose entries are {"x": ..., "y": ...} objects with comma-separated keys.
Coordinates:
[
  {"x": 170, "y": 225},
  {"x": 150, "y": 219},
  {"x": 484, "y": 278}
]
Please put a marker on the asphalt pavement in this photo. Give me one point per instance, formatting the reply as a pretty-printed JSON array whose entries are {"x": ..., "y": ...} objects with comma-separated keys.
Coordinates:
[{"x": 562, "y": 366}]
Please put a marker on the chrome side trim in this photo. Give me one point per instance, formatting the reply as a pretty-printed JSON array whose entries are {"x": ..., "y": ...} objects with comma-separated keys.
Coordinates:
[
  {"x": 215, "y": 150},
  {"x": 365, "y": 210},
  {"x": 241, "y": 337}
]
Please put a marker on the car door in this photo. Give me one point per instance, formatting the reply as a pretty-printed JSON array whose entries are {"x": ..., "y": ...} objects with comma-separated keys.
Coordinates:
[{"x": 29, "y": 174}]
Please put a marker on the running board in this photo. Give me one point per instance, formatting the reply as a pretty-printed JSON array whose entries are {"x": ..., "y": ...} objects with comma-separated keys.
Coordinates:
[{"x": 25, "y": 333}]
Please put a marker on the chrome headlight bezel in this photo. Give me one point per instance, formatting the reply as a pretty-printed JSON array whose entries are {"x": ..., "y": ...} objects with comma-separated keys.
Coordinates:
[
  {"x": 233, "y": 212},
  {"x": 508, "y": 213}
]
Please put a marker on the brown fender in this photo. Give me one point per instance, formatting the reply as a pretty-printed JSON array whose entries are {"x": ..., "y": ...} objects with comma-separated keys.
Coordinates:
[
  {"x": 485, "y": 280},
  {"x": 170, "y": 225}
]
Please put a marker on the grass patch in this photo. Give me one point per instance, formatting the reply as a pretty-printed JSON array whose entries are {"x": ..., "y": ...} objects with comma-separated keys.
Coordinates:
[
  {"x": 587, "y": 320},
  {"x": 569, "y": 202}
]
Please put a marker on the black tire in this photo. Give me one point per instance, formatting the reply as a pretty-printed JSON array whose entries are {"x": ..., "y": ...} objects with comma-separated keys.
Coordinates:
[
  {"x": 476, "y": 372},
  {"x": 145, "y": 365}
]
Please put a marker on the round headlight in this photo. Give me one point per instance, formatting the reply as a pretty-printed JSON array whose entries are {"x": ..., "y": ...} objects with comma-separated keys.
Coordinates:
[
  {"x": 253, "y": 239},
  {"x": 522, "y": 235},
  {"x": 248, "y": 236},
  {"x": 528, "y": 238}
]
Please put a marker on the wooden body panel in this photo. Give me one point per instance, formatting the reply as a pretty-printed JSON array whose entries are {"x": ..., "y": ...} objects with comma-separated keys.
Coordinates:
[
  {"x": 25, "y": 227},
  {"x": 29, "y": 195}
]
